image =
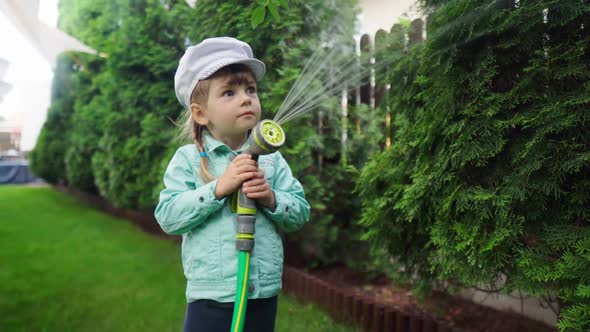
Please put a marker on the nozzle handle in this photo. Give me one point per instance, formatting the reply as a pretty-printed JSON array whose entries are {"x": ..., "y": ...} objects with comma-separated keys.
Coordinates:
[{"x": 246, "y": 222}]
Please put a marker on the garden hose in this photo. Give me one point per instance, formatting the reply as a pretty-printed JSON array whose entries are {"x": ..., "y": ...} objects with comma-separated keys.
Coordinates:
[{"x": 267, "y": 137}]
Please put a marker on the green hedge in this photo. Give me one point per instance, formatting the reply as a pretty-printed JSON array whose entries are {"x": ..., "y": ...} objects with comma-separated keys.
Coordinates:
[
  {"x": 488, "y": 174},
  {"x": 47, "y": 158},
  {"x": 119, "y": 133}
]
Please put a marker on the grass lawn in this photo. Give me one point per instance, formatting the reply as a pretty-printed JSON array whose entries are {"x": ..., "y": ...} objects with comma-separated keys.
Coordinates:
[{"x": 67, "y": 267}]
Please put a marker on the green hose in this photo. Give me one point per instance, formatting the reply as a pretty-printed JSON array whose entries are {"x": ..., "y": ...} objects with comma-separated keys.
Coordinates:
[
  {"x": 246, "y": 210},
  {"x": 241, "y": 303}
]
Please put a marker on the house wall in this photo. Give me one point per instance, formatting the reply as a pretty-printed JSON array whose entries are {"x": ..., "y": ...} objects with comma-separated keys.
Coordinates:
[{"x": 382, "y": 14}]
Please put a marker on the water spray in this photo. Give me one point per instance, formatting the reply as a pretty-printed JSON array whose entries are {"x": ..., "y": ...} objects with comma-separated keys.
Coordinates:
[
  {"x": 267, "y": 137},
  {"x": 325, "y": 75}
]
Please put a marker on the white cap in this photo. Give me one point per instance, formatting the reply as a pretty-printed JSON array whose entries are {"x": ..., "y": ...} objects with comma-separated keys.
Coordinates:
[{"x": 204, "y": 59}]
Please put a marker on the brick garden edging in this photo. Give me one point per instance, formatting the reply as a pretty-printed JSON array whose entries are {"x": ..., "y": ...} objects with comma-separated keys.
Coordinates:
[
  {"x": 347, "y": 306},
  {"x": 341, "y": 304}
]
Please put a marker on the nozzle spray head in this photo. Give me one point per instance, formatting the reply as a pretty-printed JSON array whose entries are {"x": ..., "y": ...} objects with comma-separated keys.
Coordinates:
[{"x": 267, "y": 137}]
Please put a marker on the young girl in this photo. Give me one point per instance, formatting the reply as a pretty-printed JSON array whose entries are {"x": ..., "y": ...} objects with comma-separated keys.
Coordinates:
[{"x": 216, "y": 83}]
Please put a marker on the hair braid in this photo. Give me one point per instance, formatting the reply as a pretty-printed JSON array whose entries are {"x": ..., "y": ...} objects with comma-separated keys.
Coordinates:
[{"x": 198, "y": 137}]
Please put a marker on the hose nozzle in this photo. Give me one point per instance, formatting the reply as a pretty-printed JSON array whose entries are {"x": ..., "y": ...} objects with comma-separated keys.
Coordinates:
[{"x": 267, "y": 137}]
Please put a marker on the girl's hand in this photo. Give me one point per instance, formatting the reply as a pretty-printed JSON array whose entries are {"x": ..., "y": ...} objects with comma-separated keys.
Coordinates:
[
  {"x": 241, "y": 169},
  {"x": 259, "y": 189}
]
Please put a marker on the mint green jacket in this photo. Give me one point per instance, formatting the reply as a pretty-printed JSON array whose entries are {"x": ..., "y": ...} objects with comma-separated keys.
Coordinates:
[{"x": 188, "y": 207}]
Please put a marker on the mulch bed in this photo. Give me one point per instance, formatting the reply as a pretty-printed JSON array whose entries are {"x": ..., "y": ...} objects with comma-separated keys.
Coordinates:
[{"x": 458, "y": 312}]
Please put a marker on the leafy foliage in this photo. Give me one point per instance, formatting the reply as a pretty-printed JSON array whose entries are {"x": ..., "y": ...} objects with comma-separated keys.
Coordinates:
[
  {"x": 47, "y": 159},
  {"x": 121, "y": 123},
  {"x": 488, "y": 174},
  {"x": 119, "y": 134}
]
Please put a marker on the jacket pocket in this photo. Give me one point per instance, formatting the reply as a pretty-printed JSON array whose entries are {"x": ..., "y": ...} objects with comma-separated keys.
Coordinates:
[
  {"x": 270, "y": 250},
  {"x": 204, "y": 254}
]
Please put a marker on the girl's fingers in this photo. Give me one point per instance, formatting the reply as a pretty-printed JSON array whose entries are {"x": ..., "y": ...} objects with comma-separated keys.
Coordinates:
[
  {"x": 244, "y": 162},
  {"x": 247, "y": 168},
  {"x": 257, "y": 180},
  {"x": 258, "y": 194},
  {"x": 257, "y": 188},
  {"x": 259, "y": 174},
  {"x": 254, "y": 182},
  {"x": 247, "y": 176},
  {"x": 261, "y": 190},
  {"x": 242, "y": 156}
]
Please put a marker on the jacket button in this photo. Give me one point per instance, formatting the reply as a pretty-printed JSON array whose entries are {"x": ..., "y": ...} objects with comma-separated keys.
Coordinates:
[
  {"x": 251, "y": 287},
  {"x": 201, "y": 199},
  {"x": 286, "y": 209}
]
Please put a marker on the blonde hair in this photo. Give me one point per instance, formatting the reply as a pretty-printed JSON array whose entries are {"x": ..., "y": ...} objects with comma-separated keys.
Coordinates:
[{"x": 238, "y": 74}]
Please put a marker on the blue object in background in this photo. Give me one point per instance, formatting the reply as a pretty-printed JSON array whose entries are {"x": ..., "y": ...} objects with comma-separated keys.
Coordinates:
[{"x": 15, "y": 171}]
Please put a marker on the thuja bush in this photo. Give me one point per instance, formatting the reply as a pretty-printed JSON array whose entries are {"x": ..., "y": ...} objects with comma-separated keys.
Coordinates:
[
  {"x": 122, "y": 101},
  {"x": 47, "y": 158},
  {"x": 140, "y": 101},
  {"x": 119, "y": 134},
  {"x": 487, "y": 180},
  {"x": 93, "y": 23},
  {"x": 87, "y": 125}
]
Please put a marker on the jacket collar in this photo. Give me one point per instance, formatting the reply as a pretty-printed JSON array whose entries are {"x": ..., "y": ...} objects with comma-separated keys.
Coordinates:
[{"x": 212, "y": 144}]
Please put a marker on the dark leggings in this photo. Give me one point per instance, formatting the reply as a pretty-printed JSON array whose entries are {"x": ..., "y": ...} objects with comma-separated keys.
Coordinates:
[{"x": 211, "y": 316}]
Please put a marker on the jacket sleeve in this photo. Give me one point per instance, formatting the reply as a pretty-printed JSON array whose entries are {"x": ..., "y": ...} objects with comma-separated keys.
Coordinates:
[
  {"x": 292, "y": 210},
  {"x": 184, "y": 204}
]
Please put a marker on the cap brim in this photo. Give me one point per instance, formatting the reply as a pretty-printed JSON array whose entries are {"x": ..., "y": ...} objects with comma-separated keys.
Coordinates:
[{"x": 256, "y": 66}]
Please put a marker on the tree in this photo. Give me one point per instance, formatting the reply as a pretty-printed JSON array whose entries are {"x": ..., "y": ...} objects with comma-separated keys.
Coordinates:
[
  {"x": 47, "y": 158},
  {"x": 488, "y": 175}
]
